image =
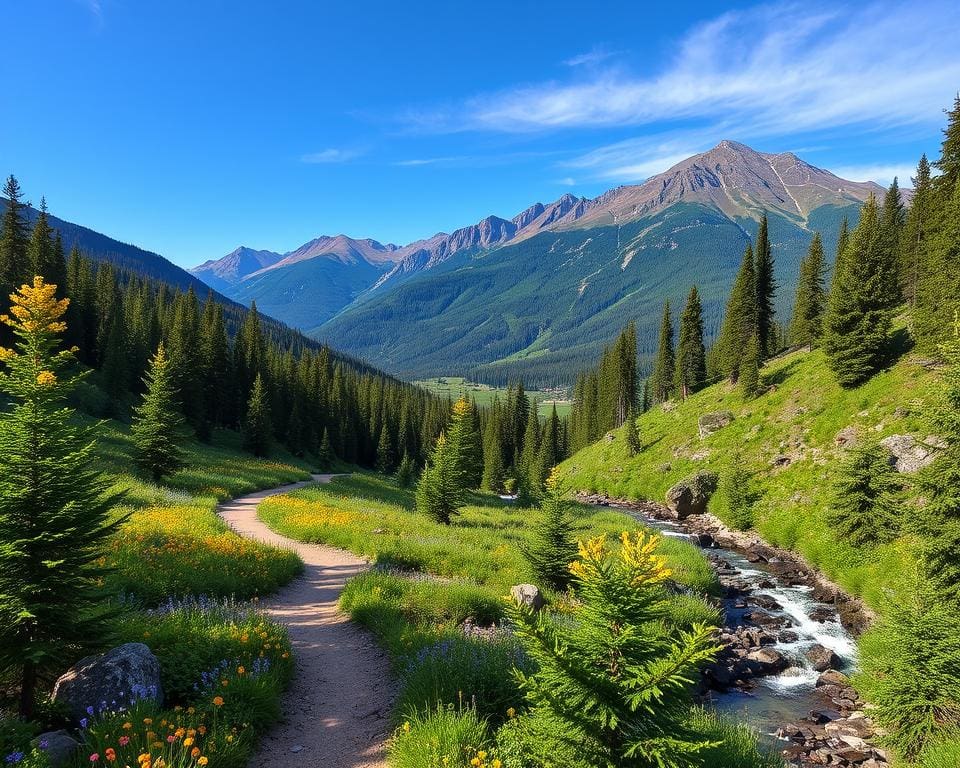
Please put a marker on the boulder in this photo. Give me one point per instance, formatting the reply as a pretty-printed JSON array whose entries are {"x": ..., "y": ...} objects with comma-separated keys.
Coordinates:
[
  {"x": 108, "y": 681},
  {"x": 822, "y": 658},
  {"x": 709, "y": 423},
  {"x": 59, "y": 747},
  {"x": 832, "y": 677},
  {"x": 527, "y": 595},
  {"x": 908, "y": 454},
  {"x": 690, "y": 496},
  {"x": 846, "y": 437},
  {"x": 767, "y": 661}
]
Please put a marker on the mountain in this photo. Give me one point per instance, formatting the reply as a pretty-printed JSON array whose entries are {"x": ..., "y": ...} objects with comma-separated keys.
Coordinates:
[
  {"x": 232, "y": 268},
  {"x": 563, "y": 277}
]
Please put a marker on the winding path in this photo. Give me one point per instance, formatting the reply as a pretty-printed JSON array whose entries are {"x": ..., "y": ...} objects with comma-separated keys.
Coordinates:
[{"x": 336, "y": 711}]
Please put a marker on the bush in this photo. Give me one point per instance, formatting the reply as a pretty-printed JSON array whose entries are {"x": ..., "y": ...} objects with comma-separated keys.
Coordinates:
[
  {"x": 733, "y": 744},
  {"x": 738, "y": 495},
  {"x": 538, "y": 739},
  {"x": 944, "y": 753},
  {"x": 460, "y": 668},
  {"x": 446, "y": 736}
]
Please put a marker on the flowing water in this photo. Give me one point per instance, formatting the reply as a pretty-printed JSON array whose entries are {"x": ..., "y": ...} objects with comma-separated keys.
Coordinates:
[{"x": 791, "y": 695}]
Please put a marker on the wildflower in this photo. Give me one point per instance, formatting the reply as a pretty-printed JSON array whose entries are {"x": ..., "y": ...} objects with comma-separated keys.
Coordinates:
[
  {"x": 46, "y": 378},
  {"x": 94, "y": 757},
  {"x": 202, "y": 730},
  {"x": 475, "y": 762},
  {"x": 187, "y": 742},
  {"x": 148, "y": 721},
  {"x": 482, "y": 755},
  {"x": 127, "y": 726},
  {"x": 6, "y": 354},
  {"x": 496, "y": 764},
  {"x": 84, "y": 722},
  {"x": 171, "y": 738},
  {"x": 218, "y": 701},
  {"x": 144, "y": 758},
  {"x": 195, "y": 752},
  {"x": 124, "y": 740},
  {"x": 406, "y": 727},
  {"x": 14, "y": 757},
  {"x": 202, "y": 760},
  {"x": 241, "y": 670},
  {"x": 110, "y": 754},
  {"x": 511, "y": 713}
]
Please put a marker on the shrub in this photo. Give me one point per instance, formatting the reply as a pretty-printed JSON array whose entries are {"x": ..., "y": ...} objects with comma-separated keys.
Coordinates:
[
  {"x": 866, "y": 507},
  {"x": 612, "y": 673},
  {"x": 539, "y": 739},
  {"x": 944, "y": 753},
  {"x": 553, "y": 547},
  {"x": 732, "y": 743},
  {"x": 738, "y": 494}
]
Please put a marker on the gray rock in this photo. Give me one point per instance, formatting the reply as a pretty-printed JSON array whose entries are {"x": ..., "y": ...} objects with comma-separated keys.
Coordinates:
[
  {"x": 709, "y": 423},
  {"x": 59, "y": 747},
  {"x": 909, "y": 455},
  {"x": 767, "y": 661},
  {"x": 527, "y": 595},
  {"x": 109, "y": 681},
  {"x": 832, "y": 677},
  {"x": 822, "y": 658},
  {"x": 690, "y": 496}
]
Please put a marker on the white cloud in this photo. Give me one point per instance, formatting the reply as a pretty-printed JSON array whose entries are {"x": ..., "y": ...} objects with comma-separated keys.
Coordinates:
[
  {"x": 425, "y": 161},
  {"x": 594, "y": 56},
  {"x": 776, "y": 69},
  {"x": 567, "y": 181},
  {"x": 881, "y": 173},
  {"x": 332, "y": 156},
  {"x": 639, "y": 159}
]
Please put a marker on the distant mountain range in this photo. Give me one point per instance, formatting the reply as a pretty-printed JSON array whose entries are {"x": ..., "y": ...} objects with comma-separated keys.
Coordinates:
[{"x": 539, "y": 294}]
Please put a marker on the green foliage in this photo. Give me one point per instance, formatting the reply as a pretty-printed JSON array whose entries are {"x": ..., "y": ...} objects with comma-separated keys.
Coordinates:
[
  {"x": 54, "y": 522},
  {"x": 553, "y": 546},
  {"x": 857, "y": 321},
  {"x": 406, "y": 472},
  {"x": 733, "y": 744},
  {"x": 664, "y": 366},
  {"x": 157, "y": 421},
  {"x": 617, "y": 678},
  {"x": 867, "y": 507},
  {"x": 811, "y": 301},
  {"x": 447, "y": 736},
  {"x": 766, "y": 290},
  {"x": 691, "y": 353},
  {"x": 749, "y": 368},
  {"x": 736, "y": 489},
  {"x": 440, "y": 488},
  {"x": 910, "y": 667},
  {"x": 634, "y": 444},
  {"x": 739, "y": 320},
  {"x": 256, "y": 425},
  {"x": 943, "y": 753}
]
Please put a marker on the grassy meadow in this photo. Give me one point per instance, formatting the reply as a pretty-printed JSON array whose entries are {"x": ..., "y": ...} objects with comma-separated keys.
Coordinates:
[
  {"x": 453, "y": 387},
  {"x": 786, "y": 438}
]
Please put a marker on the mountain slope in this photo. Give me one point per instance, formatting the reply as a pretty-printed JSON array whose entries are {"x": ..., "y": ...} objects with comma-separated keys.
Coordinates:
[{"x": 229, "y": 270}]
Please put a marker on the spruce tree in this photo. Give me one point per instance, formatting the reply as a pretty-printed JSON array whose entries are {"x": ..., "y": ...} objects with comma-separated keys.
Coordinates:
[
  {"x": 892, "y": 222},
  {"x": 866, "y": 507},
  {"x": 856, "y": 335},
  {"x": 257, "y": 428},
  {"x": 405, "y": 472},
  {"x": 737, "y": 493},
  {"x": 54, "y": 518},
  {"x": 808, "y": 309},
  {"x": 157, "y": 421},
  {"x": 949, "y": 162},
  {"x": 440, "y": 493},
  {"x": 385, "y": 459},
  {"x": 552, "y": 547},
  {"x": 550, "y": 453},
  {"x": 766, "y": 290},
  {"x": 40, "y": 256},
  {"x": 739, "y": 320},
  {"x": 493, "y": 469},
  {"x": 616, "y": 678},
  {"x": 916, "y": 233},
  {"x": 750, "y": 369},
  {"x": 664, "y": 366},
  {"x": 13, "y": 240},
  {"x": 325, "y": 454},
  {"x": 691, "y": 353},
  {"x": 634, "y": 446}
]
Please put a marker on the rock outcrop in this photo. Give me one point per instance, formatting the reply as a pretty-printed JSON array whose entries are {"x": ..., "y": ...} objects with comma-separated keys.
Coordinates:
[
  {"x": 910, "y": 455},
  {"x": 709, "y": 423},
  {"x": 690, "y": 496},
  {"x": 108, "y": 681},
  {"x": 527, "y": 595}
]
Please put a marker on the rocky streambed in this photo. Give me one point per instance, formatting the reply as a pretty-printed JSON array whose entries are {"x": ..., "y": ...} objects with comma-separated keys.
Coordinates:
[{"x": 788, "y": 644}]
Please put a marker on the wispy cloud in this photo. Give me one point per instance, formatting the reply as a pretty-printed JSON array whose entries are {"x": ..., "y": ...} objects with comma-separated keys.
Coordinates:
[
  {"x": 413, "y": 163},
  {"x": 781, "y": 69},
  {"x": 639, "y": 159},
  {"x": 882, "y": 173},
  {"x": 567, "y": 181},
  {"x": 332, "y": 156},
  {"x": 594, "y": 56}
]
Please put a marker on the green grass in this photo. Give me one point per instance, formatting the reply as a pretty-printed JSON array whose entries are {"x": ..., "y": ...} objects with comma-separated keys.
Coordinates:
[
  {"x": 798, "y": 418},
  {"x": 369, "y": 515},
  {"x": 173, "y": 543},
  {"x": 454, "y": 387}
]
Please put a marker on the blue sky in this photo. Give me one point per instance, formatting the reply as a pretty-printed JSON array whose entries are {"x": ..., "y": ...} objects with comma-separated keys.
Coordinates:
[{"x": 192, "y": 127}]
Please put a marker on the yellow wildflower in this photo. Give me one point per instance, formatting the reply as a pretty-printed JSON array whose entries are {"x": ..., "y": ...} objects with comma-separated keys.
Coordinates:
[
  {"x": 46, "y": 378},
  {"x": 511, "y": 713},
  {"x": 406, "y": 727},
  {"x": 6, "y": 354},
  {"x": 218, "y": 701},
  {"x": 188, "y": 742},
  {"x": 202, "y": 761}
]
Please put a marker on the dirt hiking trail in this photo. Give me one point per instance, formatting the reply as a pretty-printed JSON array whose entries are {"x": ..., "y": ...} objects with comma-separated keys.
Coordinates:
[{"x": 336, "y": 711}]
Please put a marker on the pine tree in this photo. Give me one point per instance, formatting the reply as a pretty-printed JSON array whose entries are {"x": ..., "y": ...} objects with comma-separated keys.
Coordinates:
[
  {"x": 616, "y": 677},
  {"x": 892, "y": 223},
  {"x": 325, "y": 453},
  {"x": 949, "y": 162},
  {"x": 808, "y": 309},
  {"x": 257, "y": 429},
  {"x": 691, "y": 353},
  {"x": 737, "y": 493},
  {"x": 54, "y": 518},
  {"x": 40, "y": 256},
  {"x": 866, "y": 507},
  {"x": 750, "y": 369},
  {"x": 440, "y": 489},
  {"x": 13, "y": 239},
  {"x": 528, "y": 468},
  {"x": 664, "y": 365},
  {"x": 552, "y": 547},
  {"x": 550, "y": 453},
  {"x": 739, "y": 321},
  {"x": 493, "y": 469},
  {"x": 385, "y": 460},
  {"x": 766, "y": 290},
  {"x": 157, "y": 421},
  {"x": 916, "y": 233},
  {"x": 405, "y": 472},
  {"x": 857, "y": 321},
  {"x": 634, "y": 446},
  {"x": 843, "y": 240}
]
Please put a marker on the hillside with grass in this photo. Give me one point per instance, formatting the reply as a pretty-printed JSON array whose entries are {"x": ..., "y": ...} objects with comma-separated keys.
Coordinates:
[{"x": 791, "y": 439}]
